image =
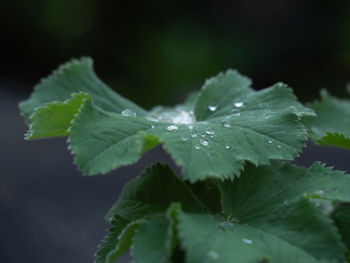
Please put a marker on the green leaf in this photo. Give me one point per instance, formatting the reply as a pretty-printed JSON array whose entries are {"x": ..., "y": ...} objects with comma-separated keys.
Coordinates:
[
  {"x": 54, "y": 119},
  {"x": 150, "y": 195},
  {"x": 261, "y": 190},
  {"x": 269, "y": 214},
  {"x": 342, "y": 220},
  {"x": 265, "y": 127},
  {"x": 217, "y": 129},
  {"x": 297, "y": 234},
  {"x": 149, "y": 243},
  {"x": 73, "y": 77},
  {"x": 117, "y": 241},
  {"x": 332, "y": 125}
]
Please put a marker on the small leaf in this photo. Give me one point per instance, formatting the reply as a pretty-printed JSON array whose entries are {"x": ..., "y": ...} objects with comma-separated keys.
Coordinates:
[
  {"x": 151, "y": 194},
  {"x": 332, "y": 125},
  {"x": 117, "y": 241},
  {"x": 54, "y": 119}
]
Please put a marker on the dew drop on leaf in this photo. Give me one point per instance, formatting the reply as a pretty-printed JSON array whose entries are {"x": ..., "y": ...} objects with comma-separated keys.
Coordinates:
[
  {"x": 226, "y": 124},
  {"x": 212, "y": 107},
  {"x": 269, "y": 141},
  {"x": 279, "y": 146},
  {"x": 247, "y": 241},
  {"x": 319, "y": 192},
  {"x": 184, "y": 138},
  {"x": 239, "y": 104},
  {"x": 153, "y": 126},
  {"x": 210, "y": 131},
  {"x": 227, "y": 146},
  {"x": 172, "y": 128},
  {"x": 197, "y": 147},
  {"x": 193, "y": 134},
  {"x": 204, "y": 142},
  {"x": 213, "y": 255},
  {"x": 129, "y": 113}
]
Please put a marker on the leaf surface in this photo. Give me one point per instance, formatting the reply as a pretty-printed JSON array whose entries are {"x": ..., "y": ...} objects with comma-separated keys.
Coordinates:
[
  {"x": 151, "y": 194},
  {"x": 149, "y": 243},
  {"x": 117, "y": 241},
  {"x": 54, "y": 119},
  {"x": 269, "y": 214},
  {"x": 217, "y": 129},
  {"x": 297, "y": 235},
  {"x": 342, "y": 220},
  {"x": 332, "y": 125},
  {"x": 73, "y": 77}
]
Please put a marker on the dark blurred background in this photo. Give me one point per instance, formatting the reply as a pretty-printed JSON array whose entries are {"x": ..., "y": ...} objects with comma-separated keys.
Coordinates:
[{"x": 153, "y": 52}]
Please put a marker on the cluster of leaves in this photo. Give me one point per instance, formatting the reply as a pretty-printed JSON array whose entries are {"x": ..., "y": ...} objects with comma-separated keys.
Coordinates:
[{"x": 238, "y": 200}]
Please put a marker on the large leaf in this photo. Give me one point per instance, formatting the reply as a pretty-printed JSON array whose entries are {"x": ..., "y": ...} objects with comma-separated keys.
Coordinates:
[
  {"x": 298, "y": 234},
  {"x": 217, "y": 129},
  {"x": 151, "y": 194},
  {"x": 332, "y": 125},
  {"x": 269, "y": 214}
]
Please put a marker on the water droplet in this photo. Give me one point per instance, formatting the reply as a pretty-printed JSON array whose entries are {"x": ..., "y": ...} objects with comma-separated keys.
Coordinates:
[
  {"x": 203, "y": 135},
  {"x": 213, "y": 255},
  {"x": 172, "y": 128},
  {"x": 227, "y": 146},
  {"x": 285, "y": 202},
  {"x": 153, "y": 126},
  {"x": 212, "y": 107},
  {"x": 247, "y": 241},
  {"x": 190, "y": 127},
  {"x": 197, "y": 147},
  {"x": 226, "y": 124},
  {"x": 193, "y": 134},
  {"x": 269, "y": 141},
  {"x": 226, "y": 226},
  {"x": 129, "y": 113},
  {"x": 204, "y": 142},
  {"x": 239, "y": 104},
  {"x": 210, "y": 131},
  {"x": 319, "y": 192},
  {"x": 237, "y": 114},
  {"x": 184, "y": 138},
  {"x": 279, "y": 146}
]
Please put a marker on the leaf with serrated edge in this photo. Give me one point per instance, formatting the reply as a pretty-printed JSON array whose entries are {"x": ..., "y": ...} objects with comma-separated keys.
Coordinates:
[
  {"x": 73, "y": 77},
  {"x": 54, "y": 119},
  {"x": 151, "y": 194},
  {"x": 332, "y": 125},
  {"x": 117, "y": 241},
  {"x": 297, "y": 234},
  {"x": 217, "y": 129}
]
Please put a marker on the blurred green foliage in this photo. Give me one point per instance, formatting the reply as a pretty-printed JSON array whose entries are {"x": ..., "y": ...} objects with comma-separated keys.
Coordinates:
[{"x": 154, "y": 52}]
